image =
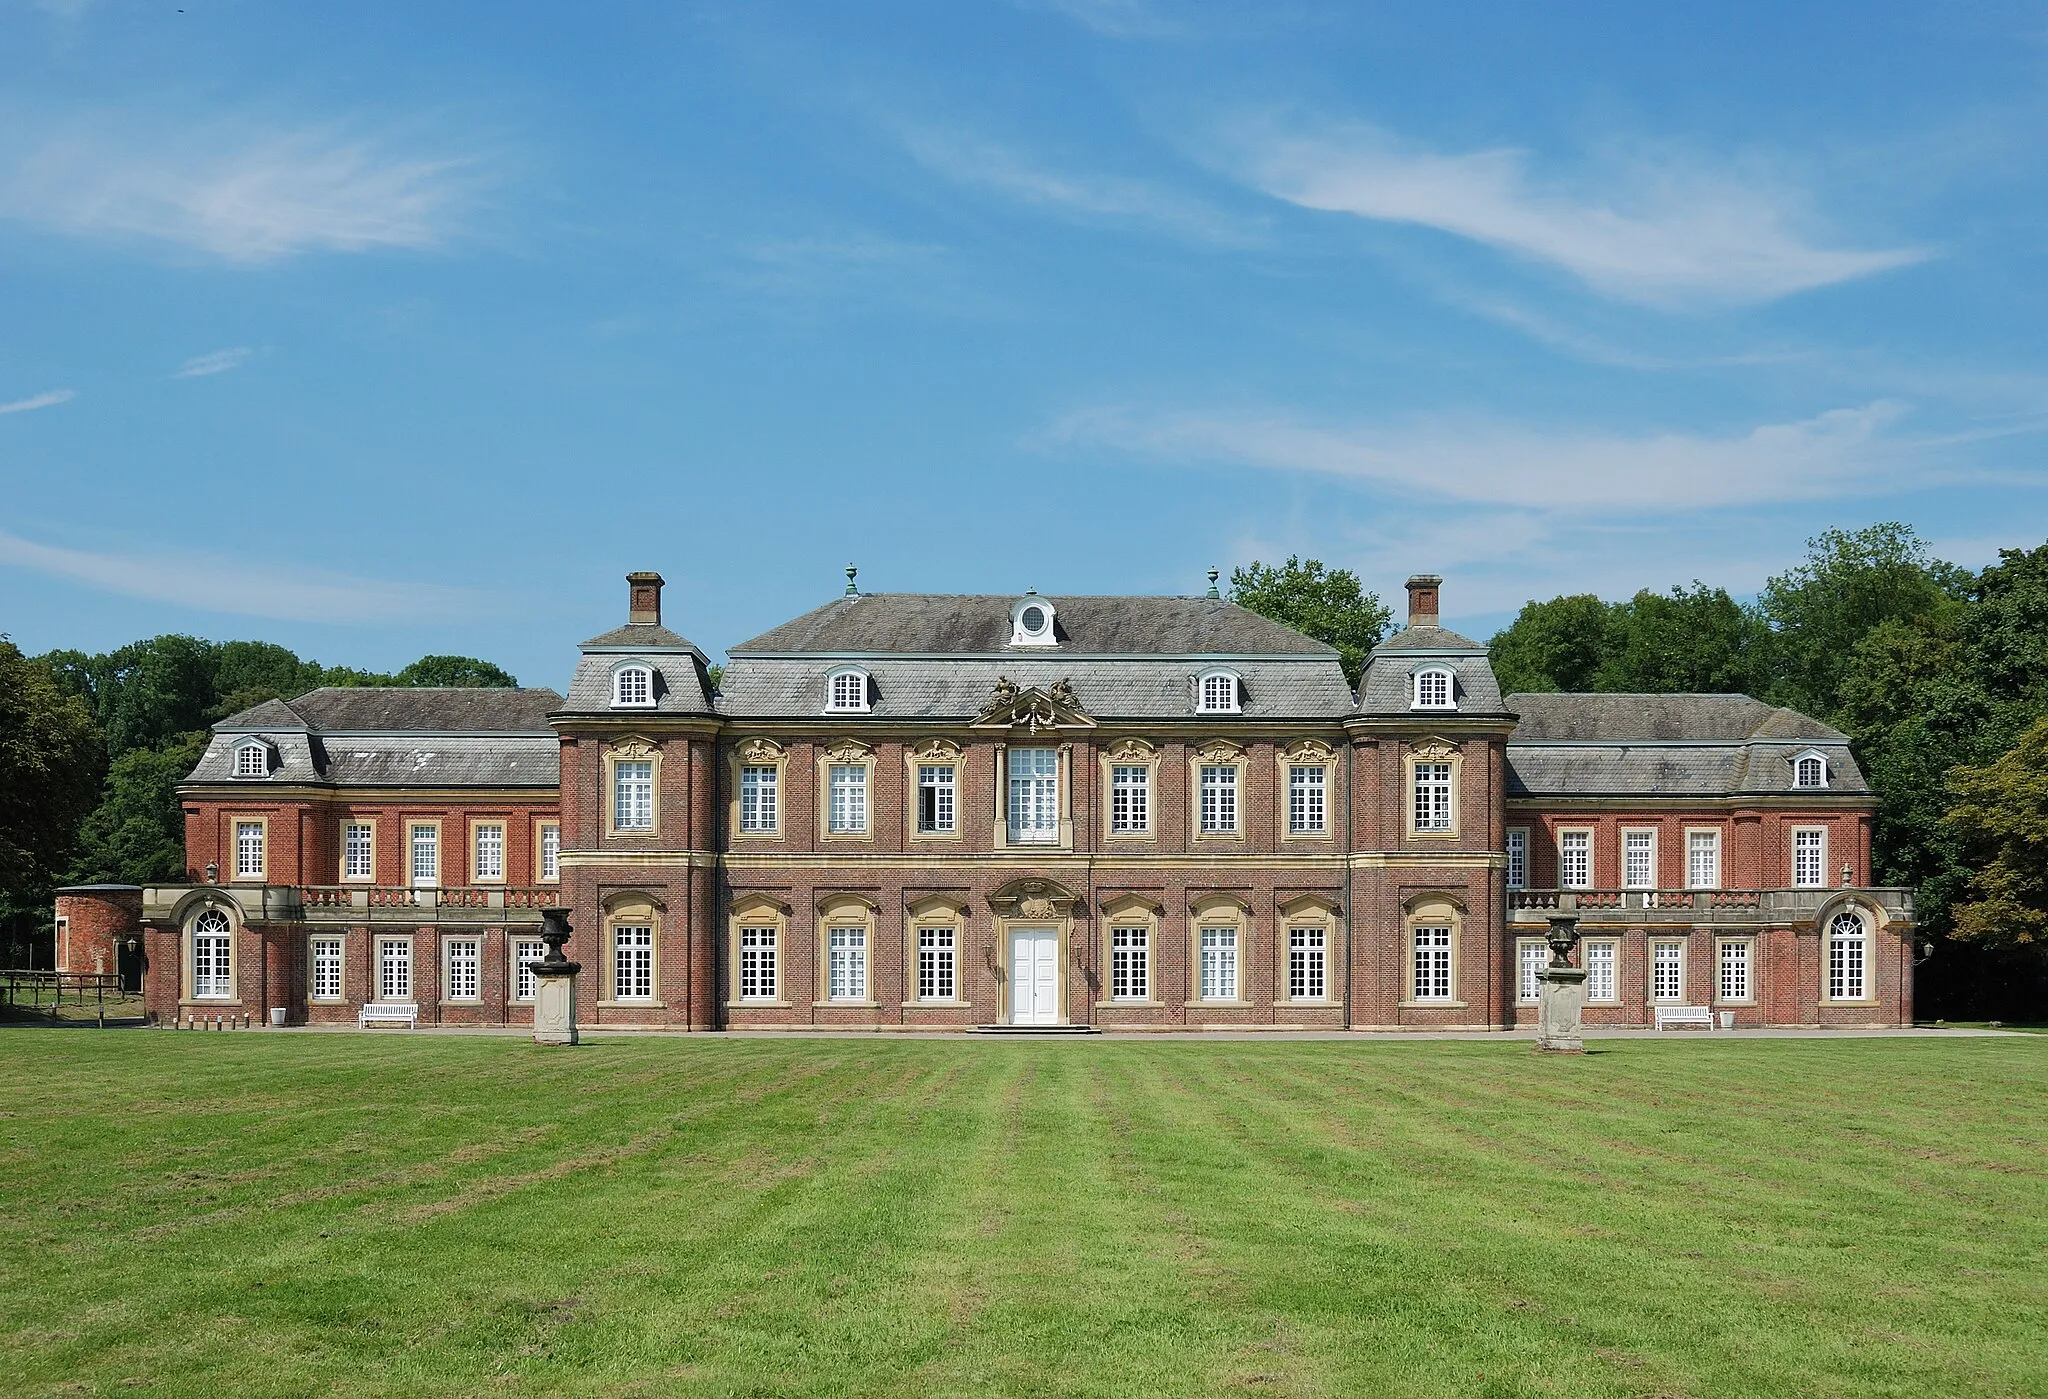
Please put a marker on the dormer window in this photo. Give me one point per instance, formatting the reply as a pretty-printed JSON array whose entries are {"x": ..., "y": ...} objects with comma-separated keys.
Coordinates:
[
  {"x": 1216, "y": 692},
  {"x": 633, "y": 687},
  {"x": 1434, "y": 688},
  {"x": 846, "y": 692},
  {"x": 252, "y": 759},
  {"x": 1031, "y": 622},
  {"x": 1810, "y": 770}
]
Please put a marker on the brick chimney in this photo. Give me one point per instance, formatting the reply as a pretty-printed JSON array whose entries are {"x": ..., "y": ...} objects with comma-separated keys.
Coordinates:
[
  {"x": 1422, "y": 589},
  {"x": 643, "y": 598}
]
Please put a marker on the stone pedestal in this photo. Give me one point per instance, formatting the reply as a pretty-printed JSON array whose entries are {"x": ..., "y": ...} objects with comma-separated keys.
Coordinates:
[
  {"x": 1560, "y": 1007},
  {"x": 554, "y": 1005}
]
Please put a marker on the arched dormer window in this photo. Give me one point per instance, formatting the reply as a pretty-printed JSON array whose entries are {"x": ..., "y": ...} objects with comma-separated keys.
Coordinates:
[
  {"x": 846, "y": 692},
  {"x": 633, "y": 687},
  {"x": 1435, "y": 688},
  {"x": 1217, "y": 692},
  {"x": 1810, "y": 770},
  {"x": 252, "y": 758},
  {"x": 1032, "y": 622}
]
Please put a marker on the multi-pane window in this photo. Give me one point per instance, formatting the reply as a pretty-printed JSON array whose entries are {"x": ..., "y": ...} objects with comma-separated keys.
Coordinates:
[
  {"x": 1600, "y": 982},
  {"x": 633, "y": 962},
  {"x": 937, "y": 950},
  {"x": 1129, "y": 964},
  {"x": 1810, "y": 771},
  {"x": 1308, "y": 808},
  {"x": 1530, "y": 958},
  {"x": 326, "y": 969},
  {"x": 464, "y": 959},
  {"x": 849, "y": 691},
  {"x": 846, "y": 964},
  {"x": 1639, "y": 859},
  {"x": 1810, "y": 858},
  {"x": 1034, "y": 795},
  {"x": 252, "y": 760},
  {"x": 1219, "y": 694},
  {"x": 426, "y": 856},
  {"x": 1432, "y": 796},
  {"x": 212, "y": 955},
  {"x": 1219, "y": 964},
  {"x": 1735, "y": 971},
  {"x": 490, "y": 852},
  {"x": 358, "y": 850},
  {"x": 633, "y": 687},
  {"x": 525, "y": 952},
  {"x": 1518, "y": 860},
  {"x": 1667, "y": 971},
  {"x": 633, "y": 794},
  {"x": 1575, "y": 859},
  {"x": 394, "y": 969},
  {"x": 847, "y": 805},
  {"x": 1308, "y": 963},
  {"x": 935, "y": 796},
  {"x": 249, "y": 849},
  {"x": 1848, "y": 958},
  {"x": 1433, "y": 689},
  {"x": 757, "y": 964},
  {"x": 758, "y": 798},
  {"x": 1703, "y": 859},
  {"x": 1433, "y": 963},
  {"x": 550, "y": 852},
  {"x": 1130, "y": 798},
  {"x": 1219, "y": 798}
]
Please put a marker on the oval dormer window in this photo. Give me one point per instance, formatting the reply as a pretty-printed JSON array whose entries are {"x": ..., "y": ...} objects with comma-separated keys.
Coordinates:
[
  {"x": 1032, "y": 622},
  {"x": 1434, "y": 688},
  {"x": 633, "y": 687}
]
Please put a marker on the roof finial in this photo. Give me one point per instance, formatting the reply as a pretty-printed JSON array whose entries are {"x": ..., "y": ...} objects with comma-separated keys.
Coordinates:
[
  {"x": 851, "y": 590},
  {"x": 1214, "y": 596}
]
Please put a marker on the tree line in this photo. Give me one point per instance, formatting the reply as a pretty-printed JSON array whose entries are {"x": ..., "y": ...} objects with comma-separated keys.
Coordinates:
[{"x": 92, "y": 748}]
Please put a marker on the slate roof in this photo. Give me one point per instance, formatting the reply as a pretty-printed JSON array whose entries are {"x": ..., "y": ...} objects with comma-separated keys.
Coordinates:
[
  {"x": 681, "y": 681},
  {"x": 395, "y": 736},
  {"x": 641, "y": 636},
  {"x": 1667, "y": 746},
  {"x": 869, "y": 624},
  {"x": 1388, "y": 685}
]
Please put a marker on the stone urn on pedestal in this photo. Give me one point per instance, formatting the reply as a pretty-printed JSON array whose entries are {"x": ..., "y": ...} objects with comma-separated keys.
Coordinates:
[
  {"x": 1561, "y": 991},
  {"x": 554, "y": 994}
]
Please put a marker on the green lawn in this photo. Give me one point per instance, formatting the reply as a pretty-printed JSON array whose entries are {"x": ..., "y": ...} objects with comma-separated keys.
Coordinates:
[{"x": 229, "y": 1214}]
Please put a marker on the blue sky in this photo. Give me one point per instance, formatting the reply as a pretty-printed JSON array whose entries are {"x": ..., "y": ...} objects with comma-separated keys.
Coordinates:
[{"x": 385, "y": 329}]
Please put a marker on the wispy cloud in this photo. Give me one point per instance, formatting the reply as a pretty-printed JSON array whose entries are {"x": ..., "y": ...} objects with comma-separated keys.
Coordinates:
[
  {"x": 1479, "y": 463},
  {"x": 1092, "y": 198},
  {"x": 245, "y": 198},
  {"x": 1118, "y": 19},
  {"x": 41, "y": 400},
  {"x": 219, "y": 362},
  {"x": 286, "y": 590},
  {"x": 1656, "y": 230}
]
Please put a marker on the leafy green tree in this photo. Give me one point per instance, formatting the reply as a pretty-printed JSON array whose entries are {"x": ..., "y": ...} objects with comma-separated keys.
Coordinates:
[
  {"x": 1687, "y": 641},
  {"x": 1325, "y": 603},
  {"x": 1562, "y": 644},
  {"x": 2002, "y": 811},
  {"x": 246, "y": 673},
  {"x": 136, "y": 835},
  {"x": 145, "y": 693},
  {"x": 455, "y": 670},
  {"x": 51, "y": 756}
]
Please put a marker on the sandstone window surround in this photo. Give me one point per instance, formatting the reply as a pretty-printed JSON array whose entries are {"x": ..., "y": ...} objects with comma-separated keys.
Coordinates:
[
  {"x": 843, "y": 955},
  {"x": 1311, "y": 922},
  {"x": 1308, "y": 778},
  {"x": 632, "y": 784},
  {"x": 1532, "y": 955},
  {"x": 325, "y": 968},
  {"x": 1517, "y": 853},
  {"x": 1129, "y": 783},
  {"x": 210, "y": 965},
  {"x": 394, "y": 969},
  {"x": 1575, "y": 857},
  {"x": 1602, "y": 959},
  {"x": 1219, "y": 949},
  {"x": 1809, "y": 857},
  {"x": 1703, "y": 857},
  {"x": 934, "y": 932},
  {"x": 525, "y": 952},
  {"x": 1434, "y": 773},
  {"x": 1639, "y": 857},
  {"x": 631, "y": 975},
  {"x": 1735, "y": 971},
  {"x": 1433, "y": 928},
  {"x": 1026, "y": 788},
  {"x": 1216, "y": 787},
  {"x": 462, "y": 968},
  {"x": 932, "y": 771},
  {"x": 251, "y": 836},
  {"x": 1845, "y": 974},
  {"x": 1130, "y": 925},
  {"x": 547, "y": 852},
  {"x": 423, "y": 854},
  {"x": 1667, "y": 971},
  {"x": 846, "y": 788},
  {"x": 487, "y": 852},
  {"x": 758, "y": 932},
  {"x": 359, "y": 850},
  {"x": 757, "y": 771}
]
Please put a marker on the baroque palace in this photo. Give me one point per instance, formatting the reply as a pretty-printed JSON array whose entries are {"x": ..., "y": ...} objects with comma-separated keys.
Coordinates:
[{"x": 913, "y": 812}]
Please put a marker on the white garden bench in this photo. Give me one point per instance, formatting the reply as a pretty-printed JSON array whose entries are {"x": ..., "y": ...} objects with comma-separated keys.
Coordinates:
[
  {"x": 387, "y": 1013},
  {"x": 1678, "y": 1017}
]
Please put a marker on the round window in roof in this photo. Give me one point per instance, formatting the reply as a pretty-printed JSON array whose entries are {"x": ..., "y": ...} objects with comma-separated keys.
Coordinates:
[{"x": 1033, "y": 619}]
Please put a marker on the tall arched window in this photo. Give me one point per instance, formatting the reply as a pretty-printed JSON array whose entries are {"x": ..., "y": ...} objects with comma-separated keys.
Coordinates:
[
  {"x": 212, "y": 956},
  {"x": 1848, "y": 957},
  {"x": 1434, "y": 688},
  {"x": 633, "y": 687}
]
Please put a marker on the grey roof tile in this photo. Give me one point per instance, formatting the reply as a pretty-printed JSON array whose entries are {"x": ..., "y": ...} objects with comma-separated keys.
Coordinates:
[
  {"x": 679, "y": 686},
  {"x": 421, "y": 709},
  {"x": 642, "y": 636},
  {"x": 870, "y": 624},
  {"x": 271, "y": 714},
  {"x": 1615, "y": 717},
  {"x": 1667, "y": 745}
]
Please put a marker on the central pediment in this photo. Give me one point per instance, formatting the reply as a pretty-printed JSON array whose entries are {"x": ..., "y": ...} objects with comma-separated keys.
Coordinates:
[{"x": 1032, "y": 707}]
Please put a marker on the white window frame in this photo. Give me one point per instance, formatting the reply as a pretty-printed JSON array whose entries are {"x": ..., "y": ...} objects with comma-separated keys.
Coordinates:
[
  {"x": 1667, "y": 973},
  {"x": 394, "y": 969},
  {"x": 364, "y": 868},
  {"x": 1130, "y": 799},
  {"x": 846, "y": 792},
  {"x": 1308, "y": 799},
  {"x": 1218, "y": 805},
  {"x": 1603, "y": 971},
  {"x": 758, "y": 975},
  {"x": 1219, "y": 692},
  {"x": 1819, "y": 857},
  {"x": 419, "y": 876},
  {"x": 1432, "y": 963},
  {"x": 633, "y": 961},
  {"x": 1308, "y": 962},
  {"x": 1799, "y": 770},
  {"x": 1846, "y": 976},
  {"x": 846, "y": 691},
  {"x": 1433, "y": 786},
  {"x": 550, "y": 853},
  {"x": 1435, "y": 687},
  {"x": 1033, "y": 808},
  {"x": 486, "y": 864},
  {"x": 1532, "y": 955},
  {"x": 632, "y": 795},
  {"x": 1130, "y": 962},
  {"x": 633, "y": 686},
  {"x": 846, "y": 962},
  {"x": 525, "y": 952},
  {"x": 1219, "y": 947},
  {"x": 1516, "y": 849},
  {"x": 1046, "y": 634},
  {"x": 326, "y": 958},
  {"x": 942, "y": 781},
  {"x": 1695, "y": 878},
  {"x": 463, "y": 967},
  {"x": 938, "y": 962},
  {"x": 252, "y": 758},
  {"x": 760, "y": 798},
  {"x": 213, "y": 956},
  {"x": 1639, "y": 857},
  {"x": 252, "y": 857},
  {"x": 1736, "y": 956},
  {"x": 1575, "y": 845}
]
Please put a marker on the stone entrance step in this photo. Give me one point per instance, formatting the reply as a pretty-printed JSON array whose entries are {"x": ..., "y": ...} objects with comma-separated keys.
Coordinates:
[{"x": 1031, "y": 1031}]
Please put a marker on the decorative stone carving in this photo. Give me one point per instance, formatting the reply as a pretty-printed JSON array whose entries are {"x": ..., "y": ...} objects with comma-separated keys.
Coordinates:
[
  {"x": 1436, "y": 750},
  {"x": 1307, "y": 750},
  {"x": 1061, "y": 692},
  {"x": 1036, "y": 899},
  {"x": 1220, "y": 750},
  {"x": 1032, "y": 708},
  {"x": 848, "y": 750},
  {"x": 633, "y": 749},
  {"x": 1036, "y": 908},
  {"x": 1131, "y": 750},
  {"x": 937, "y": 750},
  {"x": 760, "y": 750}
]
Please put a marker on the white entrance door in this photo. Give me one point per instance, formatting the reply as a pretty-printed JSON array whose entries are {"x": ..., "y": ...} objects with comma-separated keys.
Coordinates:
[{"x": 1034, "y": 976}]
